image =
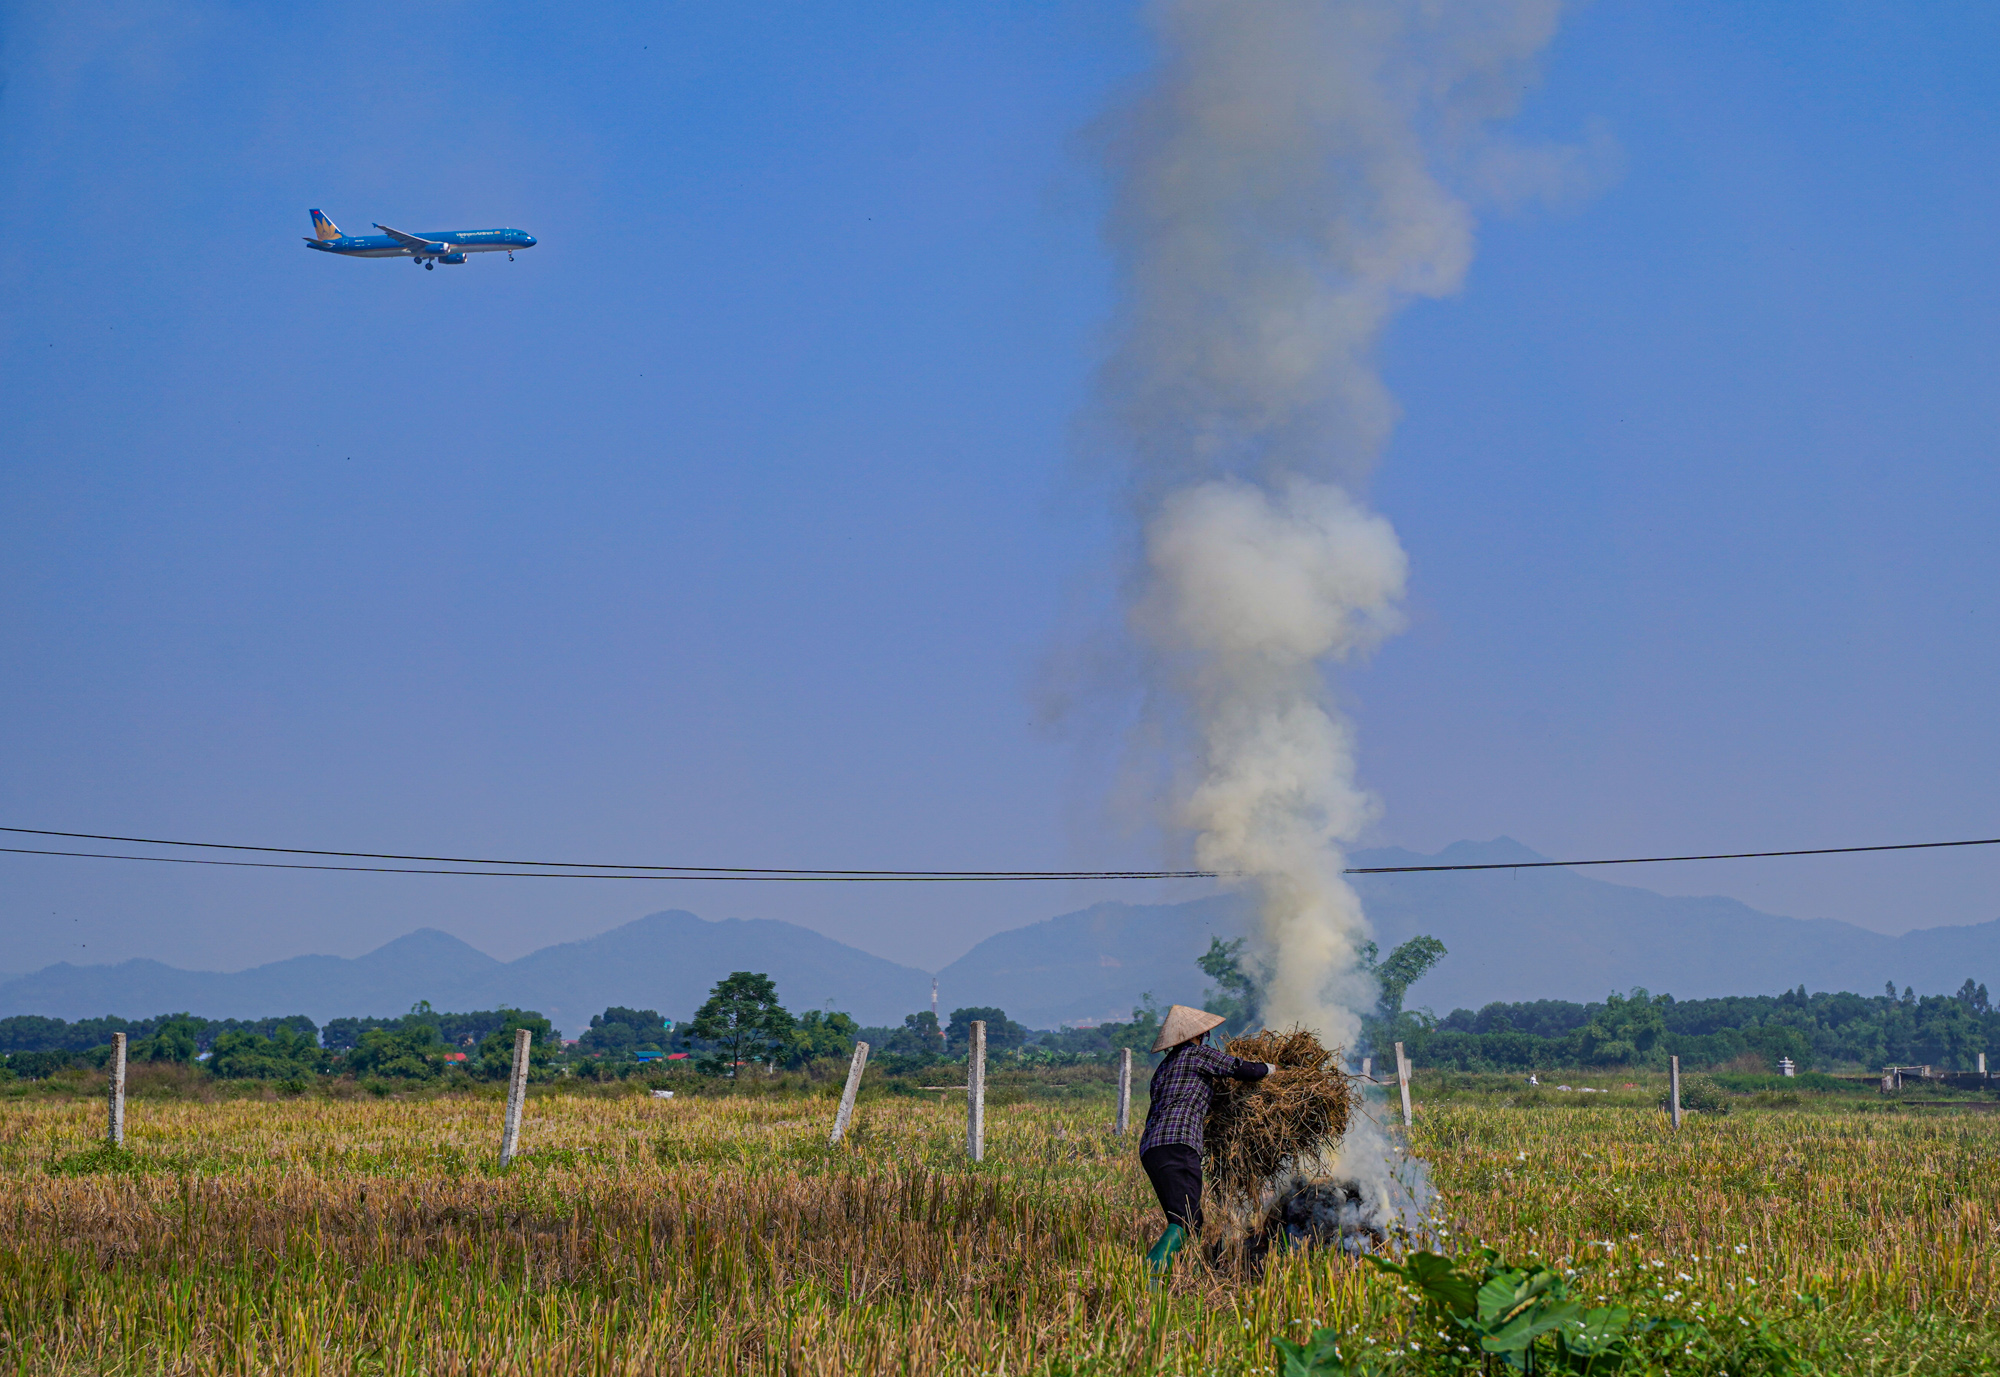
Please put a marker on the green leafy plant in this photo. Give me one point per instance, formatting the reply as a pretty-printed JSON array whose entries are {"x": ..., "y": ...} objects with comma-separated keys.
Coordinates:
[
  {"x": 1700, "y": 1095},
  {"x": 1320, "y": 1356},
  {"x": 1523, "y": 1317},
  {"x": 91, "y": 1161}
]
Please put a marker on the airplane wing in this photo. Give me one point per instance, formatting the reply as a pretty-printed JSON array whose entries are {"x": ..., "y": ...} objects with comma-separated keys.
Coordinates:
[{"x": 408, "y": 241}]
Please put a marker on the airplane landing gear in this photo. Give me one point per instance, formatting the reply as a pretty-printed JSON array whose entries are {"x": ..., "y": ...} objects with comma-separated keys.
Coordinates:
[
  {"x": 428, "y": 265},
  {"x": 510, "y": 255}
]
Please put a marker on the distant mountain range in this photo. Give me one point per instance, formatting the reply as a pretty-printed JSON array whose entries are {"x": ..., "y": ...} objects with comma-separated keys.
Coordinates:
[
  {"x": 1512, "y": 935},
  {"x": 667, "y": 961},
  {"x": 1558, "y": 934}
]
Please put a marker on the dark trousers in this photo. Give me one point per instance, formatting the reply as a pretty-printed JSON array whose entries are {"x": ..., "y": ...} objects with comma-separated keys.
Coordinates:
[{"x": 1175, "y": 1171}]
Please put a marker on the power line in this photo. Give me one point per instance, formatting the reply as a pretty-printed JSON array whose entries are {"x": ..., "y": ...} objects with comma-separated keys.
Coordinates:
[
  {"x": 1656, "y": 860},
  {"x": 596, "y": 870},
  {"x": 680, "y": 871},
  {"x": 781, "y": 876}
]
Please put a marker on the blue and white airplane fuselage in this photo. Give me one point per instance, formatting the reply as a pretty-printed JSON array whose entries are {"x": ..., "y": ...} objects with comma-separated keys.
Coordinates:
[{"x": 445, "y": 246}]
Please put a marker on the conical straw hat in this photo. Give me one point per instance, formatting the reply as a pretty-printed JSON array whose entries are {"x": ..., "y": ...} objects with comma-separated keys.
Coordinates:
[{"x": 1184, "y": 1022}]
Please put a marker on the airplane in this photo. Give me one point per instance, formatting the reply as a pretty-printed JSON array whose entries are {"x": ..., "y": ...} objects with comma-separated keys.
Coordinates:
[{"x": 448, "y": 246}]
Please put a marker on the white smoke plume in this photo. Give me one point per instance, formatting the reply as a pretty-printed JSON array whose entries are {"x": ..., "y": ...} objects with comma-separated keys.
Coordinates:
[
  {"x": 1249, "y": 590},
  {"x": 1281, "y": 187},
  {"x": 1363, "y": 1194}
]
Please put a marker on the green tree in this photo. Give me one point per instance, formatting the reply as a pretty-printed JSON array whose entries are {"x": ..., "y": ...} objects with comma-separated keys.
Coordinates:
[
  {"x": 1625, "y": 1030},
  {"x": 1974, "y": 997},
  {"x": 1235, "y": 996},
  {"x": 1777, "y": 1041},
  {"x": 918, "y": 1038},
  {"x": 344, "y": 1034},
  {"x": 619, "y": 1031},
  {"x": 1402, "y": 968},
  {"x": 823, "y": 1034},
  {"x": 496, "y": 1049},
  {"x": 174, "y": 1039},
  {"x": 744, "y": 1019},
  {"x": 1001, "y": 1032},
  {"x": 413, "y": 1052},
  {"x": 285, "y": 1055},
  {"x": 1143, "y": 1030}
]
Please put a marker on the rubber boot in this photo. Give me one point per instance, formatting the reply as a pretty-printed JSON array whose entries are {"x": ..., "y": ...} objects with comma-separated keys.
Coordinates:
[{"x": 1160, "y": 1260}]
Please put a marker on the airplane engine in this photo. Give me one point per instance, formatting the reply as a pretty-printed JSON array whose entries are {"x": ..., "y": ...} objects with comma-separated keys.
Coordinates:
[{"x": 451, "y": 258}]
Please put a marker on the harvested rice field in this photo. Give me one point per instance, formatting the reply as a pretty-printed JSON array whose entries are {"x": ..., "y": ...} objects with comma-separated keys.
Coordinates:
[{"x": 715, "y": 1234}]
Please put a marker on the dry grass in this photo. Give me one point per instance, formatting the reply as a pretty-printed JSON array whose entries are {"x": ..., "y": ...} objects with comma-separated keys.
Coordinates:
[
  {"x": 634, "y": 1236},
  {"x": 1255, "y": 1128},
  {"x": 1875, "y": 1213},
  {"x": 319, "y": 1235}
]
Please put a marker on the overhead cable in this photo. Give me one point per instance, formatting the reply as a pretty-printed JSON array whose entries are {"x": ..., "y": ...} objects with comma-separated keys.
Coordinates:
[
  {"x": 682, "y": 871},
  {"x": 792, "y": 876},
  {"x": 598, "y": 870},
  {"x": 1657, "y": 860}
]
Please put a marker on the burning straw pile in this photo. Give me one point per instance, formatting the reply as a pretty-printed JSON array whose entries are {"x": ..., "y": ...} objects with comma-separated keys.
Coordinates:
[{"x": 1258, "y": 1129}]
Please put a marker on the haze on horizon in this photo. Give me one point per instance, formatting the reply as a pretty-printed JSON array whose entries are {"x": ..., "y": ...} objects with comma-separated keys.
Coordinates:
[{"x": 736, "y": 523}]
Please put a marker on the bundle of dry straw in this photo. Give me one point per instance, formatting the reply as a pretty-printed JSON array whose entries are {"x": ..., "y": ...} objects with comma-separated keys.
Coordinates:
[{"x": 1256, "y": 1127}]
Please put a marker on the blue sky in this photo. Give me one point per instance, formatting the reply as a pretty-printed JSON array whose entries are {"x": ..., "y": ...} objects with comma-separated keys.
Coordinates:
[{"x": 741, "y": 520}]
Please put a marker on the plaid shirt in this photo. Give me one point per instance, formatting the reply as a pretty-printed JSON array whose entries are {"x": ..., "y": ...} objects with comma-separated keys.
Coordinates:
[{"x": 1182, "y": 1088}]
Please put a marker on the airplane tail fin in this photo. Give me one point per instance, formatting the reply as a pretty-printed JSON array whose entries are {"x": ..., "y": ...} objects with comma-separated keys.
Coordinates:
[{"x": 324, "y": 228}]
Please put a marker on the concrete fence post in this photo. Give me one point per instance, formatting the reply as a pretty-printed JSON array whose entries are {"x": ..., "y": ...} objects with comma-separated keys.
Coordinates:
[
  {"x": 1124, "y": 1090},
  {"x": 115, "y": 1130},
  {"x": 1674, "y": 1090},
  {"x": 853, "y": 1088},
  {"x": 1403, "y": 1082},
  {"x": 517, "y": 1092},
  {"x": 1982, "y": 1063},
  {"x": 975, "y": 1094}
]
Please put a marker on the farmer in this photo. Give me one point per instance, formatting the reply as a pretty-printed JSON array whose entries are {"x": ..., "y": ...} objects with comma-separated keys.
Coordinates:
[{"x": 1170, "y": 1151}]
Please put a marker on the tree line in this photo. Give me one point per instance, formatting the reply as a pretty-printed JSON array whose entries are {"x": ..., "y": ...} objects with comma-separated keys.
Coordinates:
[
  {"x": 1823, "y": 1031},
  {"x": 419, "y": 1045},
  {"x": 1819, "y": 1031},
  {"x": 742, "y": 1025}
]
